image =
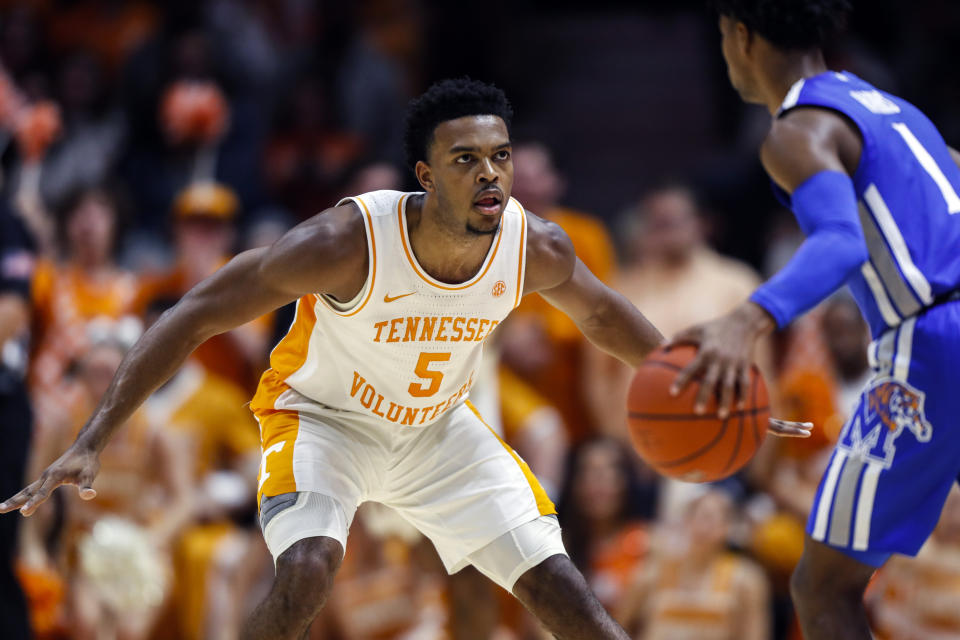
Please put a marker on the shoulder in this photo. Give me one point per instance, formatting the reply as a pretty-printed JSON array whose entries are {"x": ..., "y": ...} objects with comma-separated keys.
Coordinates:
[
  {"x": 331, "y": 243},
  {"x": 550, "y": 255},
  {"x": 737, "y": 273},
  {"x": 805, "y": 141}
]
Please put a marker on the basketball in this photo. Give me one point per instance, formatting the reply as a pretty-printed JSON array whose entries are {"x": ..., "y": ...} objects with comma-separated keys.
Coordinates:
[{"x": 681, "y": 444}]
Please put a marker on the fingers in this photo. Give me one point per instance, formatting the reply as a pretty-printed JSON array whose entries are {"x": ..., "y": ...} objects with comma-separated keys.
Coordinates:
[
  {"x": 744, "y": 387},
  {"x": 38, "y": 496},
  {"x": 686, "y": 374},
  {"x": 787, "y": 429},
  {"x": 727, "y": 390},
  {"x": 707, "y": 387},
  {"x": 20, "y": 499},
  {"x": 85, "y": 485}
]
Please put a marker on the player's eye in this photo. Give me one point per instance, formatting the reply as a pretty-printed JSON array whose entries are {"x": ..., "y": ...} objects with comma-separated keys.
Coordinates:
[
  {"x": 464, "y": 158},
  {"x": 503, "y": 154}
]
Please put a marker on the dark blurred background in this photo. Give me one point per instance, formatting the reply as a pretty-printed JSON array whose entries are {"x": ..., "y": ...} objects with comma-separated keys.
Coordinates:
[{"x": 143, "y": 143}]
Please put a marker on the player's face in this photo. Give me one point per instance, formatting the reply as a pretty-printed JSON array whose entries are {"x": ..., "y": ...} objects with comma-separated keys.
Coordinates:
[
  {"x": 733, "y": 37},
  {"x": 471, "y": 171}
]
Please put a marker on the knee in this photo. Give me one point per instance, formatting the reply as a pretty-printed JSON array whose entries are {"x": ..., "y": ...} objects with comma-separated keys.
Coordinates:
[
  {"x": 556, "y": 572},
  {"x": 803, "y": 587},
  {"x": 309, "y": 567},
  {"x": 817, "y": 583}
]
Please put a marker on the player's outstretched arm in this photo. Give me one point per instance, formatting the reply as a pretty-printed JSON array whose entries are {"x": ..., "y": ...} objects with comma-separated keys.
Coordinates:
[
  {"x": 326, "y": 254},
  {"x": 811, "y": 153},
  {"x": 604, "y": 316}
]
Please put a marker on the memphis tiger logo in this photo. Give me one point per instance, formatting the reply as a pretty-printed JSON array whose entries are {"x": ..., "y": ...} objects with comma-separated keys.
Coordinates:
[{"x": 887, "y": 409}]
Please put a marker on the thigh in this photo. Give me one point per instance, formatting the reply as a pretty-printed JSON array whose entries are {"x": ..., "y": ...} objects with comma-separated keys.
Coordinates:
[
  {"x": 306, "y": 451},
  {"x": 896, "y": 458},
  {"x": 519, "y": 550},
  {"x": 829, "y": 571},
  {"x": 289, "y": 518},
  {"x": 461, "y": 485}
]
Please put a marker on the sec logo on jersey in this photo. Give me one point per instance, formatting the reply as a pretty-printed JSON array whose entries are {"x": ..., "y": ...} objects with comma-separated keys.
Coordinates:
[
  {"x": 499, "y": 288},
  {"x": 888, "y": 409}
]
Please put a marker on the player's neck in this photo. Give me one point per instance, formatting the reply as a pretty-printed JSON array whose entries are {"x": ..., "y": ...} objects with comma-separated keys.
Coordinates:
[
  {"x": 783, "y": 70},
  {"x": 447, "y": 252}
]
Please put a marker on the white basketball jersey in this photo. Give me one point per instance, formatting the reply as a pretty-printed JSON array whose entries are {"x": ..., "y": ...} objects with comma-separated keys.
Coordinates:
[{"x": 407, "y": 348}]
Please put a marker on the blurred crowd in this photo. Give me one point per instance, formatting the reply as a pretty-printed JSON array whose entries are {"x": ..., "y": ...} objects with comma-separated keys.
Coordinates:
[{"x": 144, "y": 143}]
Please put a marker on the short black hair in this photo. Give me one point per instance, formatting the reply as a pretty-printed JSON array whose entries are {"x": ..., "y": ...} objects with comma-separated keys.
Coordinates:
[
  {"x": 789, "y": 24},
  {"x": 448, "y": 100}
]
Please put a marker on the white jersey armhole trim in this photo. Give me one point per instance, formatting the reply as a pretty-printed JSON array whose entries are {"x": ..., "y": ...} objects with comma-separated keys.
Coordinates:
[
  {"x": 358, "y": 301},
  {"x": 522, "y": 268}
]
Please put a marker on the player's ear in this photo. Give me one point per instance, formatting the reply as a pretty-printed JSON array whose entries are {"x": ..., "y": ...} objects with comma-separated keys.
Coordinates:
[
  {"x": 424, "y": 176},
  {"x": 744, "y": 37}
]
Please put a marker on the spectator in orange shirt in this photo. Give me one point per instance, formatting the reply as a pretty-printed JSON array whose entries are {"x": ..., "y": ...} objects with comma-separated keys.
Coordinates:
[
  {"x": 204, "y": 235},
  {"x": 693, "y": 588},
  {"x": 113, "y": 552},
  {"x": 81, "y": 286},
  {"x": 218, "y": 555},
  {"x": 916, "y": 598},
  {"x": 541, "y": 344}
]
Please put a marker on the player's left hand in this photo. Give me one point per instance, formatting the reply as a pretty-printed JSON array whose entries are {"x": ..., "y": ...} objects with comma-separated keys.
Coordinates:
[{"x": 724, "y": 354}]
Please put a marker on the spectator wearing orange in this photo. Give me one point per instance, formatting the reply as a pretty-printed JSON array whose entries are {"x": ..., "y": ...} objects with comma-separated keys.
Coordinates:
[
  {"x": 693, "y": 588},
  {"x": 541, "y": 344},
  {"x": 114, "y": 551},
  {"x": 204, "y": 233},
  {"x": 916, "y": 598},
  {"x": 81, "y": 285},
  {"x": 604, "y": 510},
  {"x": 216, "y": 560}
]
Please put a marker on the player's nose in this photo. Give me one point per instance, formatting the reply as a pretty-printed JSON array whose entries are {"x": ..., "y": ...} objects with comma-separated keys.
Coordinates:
[{"x": 487, "y": 172}]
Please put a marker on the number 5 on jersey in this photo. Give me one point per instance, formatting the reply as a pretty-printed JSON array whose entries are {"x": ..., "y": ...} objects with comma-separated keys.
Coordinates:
[{"x": 419, "y": 389}]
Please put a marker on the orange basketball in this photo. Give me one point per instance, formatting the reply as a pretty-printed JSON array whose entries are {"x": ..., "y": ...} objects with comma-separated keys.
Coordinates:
[{"x": 681, "y": 444}]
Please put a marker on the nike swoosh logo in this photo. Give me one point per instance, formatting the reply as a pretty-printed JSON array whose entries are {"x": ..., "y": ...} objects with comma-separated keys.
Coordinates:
[{"x": 387, "y": 298}]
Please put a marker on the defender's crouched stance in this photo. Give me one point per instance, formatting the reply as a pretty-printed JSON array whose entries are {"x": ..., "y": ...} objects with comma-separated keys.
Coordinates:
[
  {"x": 365, "y": 398},
  {"x": 454, "y": 479}
]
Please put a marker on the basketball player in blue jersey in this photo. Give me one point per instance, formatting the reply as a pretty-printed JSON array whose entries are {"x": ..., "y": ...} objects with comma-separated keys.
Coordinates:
[{"x": 875, "y": 189}]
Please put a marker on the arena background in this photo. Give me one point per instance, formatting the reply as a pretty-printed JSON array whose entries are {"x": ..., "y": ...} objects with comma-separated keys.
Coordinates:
[{"x": 304, "y": 104}]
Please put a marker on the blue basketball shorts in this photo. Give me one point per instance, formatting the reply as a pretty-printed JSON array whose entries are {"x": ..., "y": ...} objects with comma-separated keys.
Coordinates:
[{"x": 899, "y": 453}]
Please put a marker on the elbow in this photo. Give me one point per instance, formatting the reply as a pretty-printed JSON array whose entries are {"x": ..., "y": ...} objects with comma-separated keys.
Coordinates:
[
  {"x": 848, "y": 246},
  {"x": 187, "y": 320},
  {"x": 598, "y": 320}
]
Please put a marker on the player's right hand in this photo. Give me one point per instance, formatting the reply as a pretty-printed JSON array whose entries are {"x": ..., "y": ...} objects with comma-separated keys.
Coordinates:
[{"x": 77, "y": 466}]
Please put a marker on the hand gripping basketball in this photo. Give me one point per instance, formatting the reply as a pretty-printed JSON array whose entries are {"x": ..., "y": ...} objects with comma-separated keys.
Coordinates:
[
  {"x": 696, "y": 445},
  {"x": 76, "y": 466}
]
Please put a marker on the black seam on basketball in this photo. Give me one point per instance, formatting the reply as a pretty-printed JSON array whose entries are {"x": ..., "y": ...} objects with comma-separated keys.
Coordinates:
[
  {"x": 753, "y": 401},
  {"x": 662, "y": 363},
  {"x": 694, "y": 416},
  {"x": 699, "y": 452},
  {"x": 736, "y": 445}
]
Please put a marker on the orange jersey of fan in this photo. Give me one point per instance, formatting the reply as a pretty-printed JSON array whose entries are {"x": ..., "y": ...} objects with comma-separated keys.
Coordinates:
[
  {"x": 918, "y": 596},
  {"x": 65, "y": 300},
  {"x": 406, "y": 349},
  {"x": 706, "y": 609}
]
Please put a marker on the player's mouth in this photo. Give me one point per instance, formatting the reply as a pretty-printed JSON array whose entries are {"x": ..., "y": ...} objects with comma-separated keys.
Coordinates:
[{"x": 488, "y": 202}]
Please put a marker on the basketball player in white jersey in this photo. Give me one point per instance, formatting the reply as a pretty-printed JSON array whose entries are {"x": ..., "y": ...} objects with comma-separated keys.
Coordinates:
[{"x": 365, "y": 398}]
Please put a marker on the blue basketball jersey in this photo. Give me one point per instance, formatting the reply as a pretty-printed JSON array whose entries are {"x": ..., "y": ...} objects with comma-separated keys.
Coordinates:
[{"x": 907, "y": 186}]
